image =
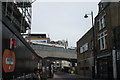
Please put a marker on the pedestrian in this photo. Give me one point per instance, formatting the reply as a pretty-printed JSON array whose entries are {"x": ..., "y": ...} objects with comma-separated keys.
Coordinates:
[{"x": 36, "y": 75}]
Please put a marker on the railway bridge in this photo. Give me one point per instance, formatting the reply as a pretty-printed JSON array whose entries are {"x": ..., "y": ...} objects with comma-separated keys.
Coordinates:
[{"x": 55, "y": 52}]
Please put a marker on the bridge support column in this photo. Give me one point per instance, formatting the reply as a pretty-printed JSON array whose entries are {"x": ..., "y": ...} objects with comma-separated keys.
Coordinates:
[{"x": 60, "y": 65}]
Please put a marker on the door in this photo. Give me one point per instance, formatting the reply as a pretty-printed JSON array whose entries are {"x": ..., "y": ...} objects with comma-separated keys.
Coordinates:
[{"x": 105, "y": 69}]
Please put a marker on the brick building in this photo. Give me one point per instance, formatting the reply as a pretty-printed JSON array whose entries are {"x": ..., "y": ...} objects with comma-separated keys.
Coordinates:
[
  {"x": 85, "y": 54},
  {"x": 107, "y": 24},
  {"x": 107, "y": 19}
]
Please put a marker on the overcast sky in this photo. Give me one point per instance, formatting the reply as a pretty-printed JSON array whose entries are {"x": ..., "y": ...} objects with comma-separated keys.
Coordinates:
[{"x": 63, "y": 20}]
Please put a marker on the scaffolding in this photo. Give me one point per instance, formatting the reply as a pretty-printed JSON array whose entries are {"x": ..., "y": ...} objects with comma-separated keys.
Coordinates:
[{"x": 19, "y": 12}]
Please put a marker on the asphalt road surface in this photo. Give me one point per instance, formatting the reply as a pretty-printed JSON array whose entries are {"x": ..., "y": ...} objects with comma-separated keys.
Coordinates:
[{"x": 66, "y": 76}]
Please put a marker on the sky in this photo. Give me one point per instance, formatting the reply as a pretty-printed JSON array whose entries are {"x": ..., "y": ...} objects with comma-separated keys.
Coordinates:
[{"x": 63, "y": 20}]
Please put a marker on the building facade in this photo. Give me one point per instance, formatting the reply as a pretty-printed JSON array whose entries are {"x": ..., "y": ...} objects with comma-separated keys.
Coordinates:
[
  {"x": 40, "y": 38},
  {"x": 107, "y": 24},
  {"x": 107, "y": 19},
  {"x": 85, "y": 54}
]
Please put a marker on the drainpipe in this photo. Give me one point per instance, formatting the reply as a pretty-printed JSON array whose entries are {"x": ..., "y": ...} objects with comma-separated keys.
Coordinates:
[{"x": 114, "y": 55}]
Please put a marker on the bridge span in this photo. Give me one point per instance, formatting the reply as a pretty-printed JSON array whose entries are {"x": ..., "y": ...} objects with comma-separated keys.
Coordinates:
[{"x": 47, "y": 51}]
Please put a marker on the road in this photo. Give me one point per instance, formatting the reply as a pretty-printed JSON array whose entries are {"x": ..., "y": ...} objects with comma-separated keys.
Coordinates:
[{"x": 66, "y": 76}]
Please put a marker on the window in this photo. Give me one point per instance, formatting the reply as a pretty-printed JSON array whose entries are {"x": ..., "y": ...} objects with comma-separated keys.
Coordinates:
[
  {"x": 102, "y": 40},
  {"x": 81, "y": 50},
  {"x": 84, "y": 48},
  {"x": 101, "y": 22}
]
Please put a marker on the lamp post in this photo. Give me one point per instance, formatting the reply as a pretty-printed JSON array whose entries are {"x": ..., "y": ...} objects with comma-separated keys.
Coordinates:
[
  {"x": 93, "y": 34},
  {"x": 86, "y": 16}
]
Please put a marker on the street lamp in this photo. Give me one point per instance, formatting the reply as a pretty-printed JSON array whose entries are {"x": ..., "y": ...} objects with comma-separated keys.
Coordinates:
[
  {"x": 86, "y": 16},
  {"x": 94, "y": 66}
]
